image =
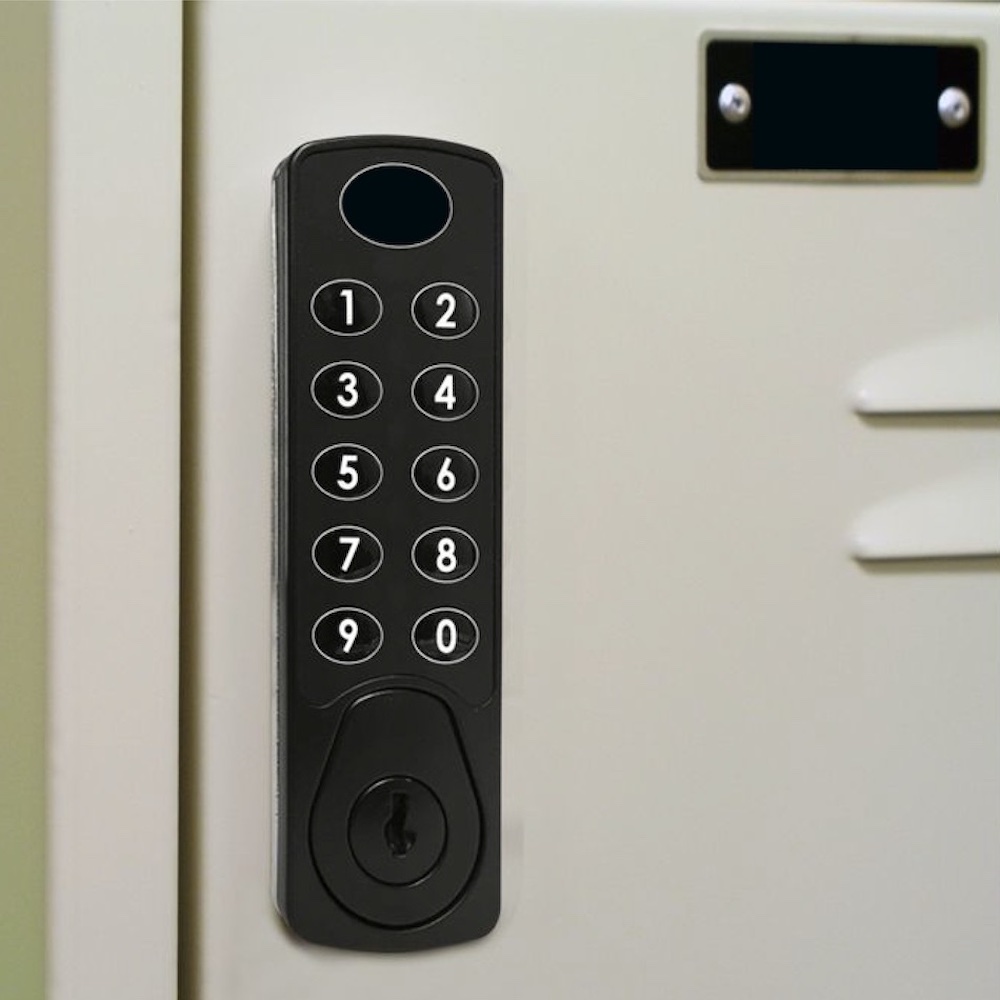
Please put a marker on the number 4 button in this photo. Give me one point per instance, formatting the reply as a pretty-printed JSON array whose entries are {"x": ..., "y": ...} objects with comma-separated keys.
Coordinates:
[{"x": 445, "y": 392}]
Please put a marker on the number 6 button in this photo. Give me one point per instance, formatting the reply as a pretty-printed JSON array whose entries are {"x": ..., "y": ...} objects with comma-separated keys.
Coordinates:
[
  {"x": 445, "y": 310},
  {"x": 445, "y": 392},
  {"x": 445, "y": 473},
  {"x": 445, "y": 635}
]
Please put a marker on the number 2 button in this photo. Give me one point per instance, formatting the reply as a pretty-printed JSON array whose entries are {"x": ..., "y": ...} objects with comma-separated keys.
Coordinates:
[
  {"x": 445, "y": 310},
  {"x": 445, "y": 392},
  {"x": 445, "y": 473}
]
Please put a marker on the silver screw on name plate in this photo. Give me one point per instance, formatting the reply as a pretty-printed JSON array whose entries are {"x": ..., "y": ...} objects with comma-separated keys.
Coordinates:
[
  {"x": 954, "y": 107},
  {"x": 734, "y": 103}
]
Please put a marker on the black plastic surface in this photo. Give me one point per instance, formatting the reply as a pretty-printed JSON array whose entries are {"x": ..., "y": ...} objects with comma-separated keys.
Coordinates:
[
  {"x": 841, "y": 106},
  {"x": 368, "y": 733}
]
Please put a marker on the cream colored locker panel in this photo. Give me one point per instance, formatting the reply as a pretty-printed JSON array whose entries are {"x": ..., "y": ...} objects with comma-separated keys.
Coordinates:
[{"x": 748, "y": 749}]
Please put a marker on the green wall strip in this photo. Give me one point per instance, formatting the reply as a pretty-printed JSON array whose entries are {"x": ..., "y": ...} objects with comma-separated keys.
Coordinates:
[{"x": 24, "y": 49}]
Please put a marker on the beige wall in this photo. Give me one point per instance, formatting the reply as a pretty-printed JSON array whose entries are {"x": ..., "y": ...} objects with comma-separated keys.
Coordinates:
[{"x": 23, "y": 259}]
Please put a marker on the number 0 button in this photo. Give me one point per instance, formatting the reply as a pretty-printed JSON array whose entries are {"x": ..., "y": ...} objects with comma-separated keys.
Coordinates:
[
  {"x": 347, "y": 635},
  {"x": 346, "y": 306},
  {"x": 445, "y": 310},
  {"x": 445, "y": 555},
  {"x": 445, "y": 635},
  {"x": 445, "y": 392},
  {"x": 348, "y": 554},
  {"x": 347, "y": 471},
  {"x": 347, "y": 389},
  {"x": 445, "y": 473}
]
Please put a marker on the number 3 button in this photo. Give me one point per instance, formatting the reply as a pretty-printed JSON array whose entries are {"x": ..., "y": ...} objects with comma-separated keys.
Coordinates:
[
  {"x": 445, "y": 635},
  {"x": 445, "y": 310},
  {"x": 445, "y": 473},
  {"x": 445, "y": 392},
  {"x": 347, "y": 389}
]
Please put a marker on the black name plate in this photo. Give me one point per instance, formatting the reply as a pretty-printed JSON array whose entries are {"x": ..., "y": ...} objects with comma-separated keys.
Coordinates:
[{"x": 899, "y": 111}]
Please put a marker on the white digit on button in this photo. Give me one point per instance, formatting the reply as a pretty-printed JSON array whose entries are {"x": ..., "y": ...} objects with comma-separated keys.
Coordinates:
[
  {"x": 446, "y": 478},
  {"x": 352, "y": 542},
  {"x": 349, "y": 477},
  {"x": 446, "y": 322},
  {"x": 350, "y": 383},
  {"x": 446, "y": 392},
  {"x": 446, "y": 636},
  {"x": 446, "y": 559},
  {"x": 348, "y": 630},
  {"x": 348, "y": 296}
]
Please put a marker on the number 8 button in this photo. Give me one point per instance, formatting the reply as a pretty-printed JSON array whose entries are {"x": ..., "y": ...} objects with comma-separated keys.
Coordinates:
[{"x": 445, "y": 555}]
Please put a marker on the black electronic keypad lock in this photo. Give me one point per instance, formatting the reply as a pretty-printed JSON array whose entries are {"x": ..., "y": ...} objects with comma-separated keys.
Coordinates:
[{"x": 387, "y": 542}]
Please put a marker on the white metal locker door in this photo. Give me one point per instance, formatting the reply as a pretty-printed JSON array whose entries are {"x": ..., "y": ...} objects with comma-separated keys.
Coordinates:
[{"x": 737, "y": 760}]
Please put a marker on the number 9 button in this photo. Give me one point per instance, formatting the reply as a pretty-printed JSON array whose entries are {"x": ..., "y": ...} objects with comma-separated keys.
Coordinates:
[{"x": 347, "y": 635}]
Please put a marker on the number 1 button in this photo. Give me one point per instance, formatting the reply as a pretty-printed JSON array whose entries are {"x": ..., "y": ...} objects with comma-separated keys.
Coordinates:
[
  {"x": 346, "y": 306},
  {"x": 445, "y": 310}
]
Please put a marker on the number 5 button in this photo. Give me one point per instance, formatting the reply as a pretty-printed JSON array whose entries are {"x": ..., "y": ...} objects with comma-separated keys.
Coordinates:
[
  {"x": 445, "y": 310},
  {"x": 445, "y": 473},
  {"x": 347, "y": 471},
  {"x": 445, "y": 392}
]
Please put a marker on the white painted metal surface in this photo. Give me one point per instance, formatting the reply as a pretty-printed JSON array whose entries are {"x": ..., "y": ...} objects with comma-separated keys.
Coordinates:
[
  {"x": 737, "y": 762},
  {"x": 115, "y": 423}
]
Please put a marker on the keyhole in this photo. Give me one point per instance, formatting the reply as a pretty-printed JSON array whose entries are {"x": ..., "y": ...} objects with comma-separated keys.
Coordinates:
[{"x": 397, "y": 837}]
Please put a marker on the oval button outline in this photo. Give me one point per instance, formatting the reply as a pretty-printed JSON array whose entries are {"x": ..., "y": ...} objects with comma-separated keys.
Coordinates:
[
  {"x": 444, "y": 336},
  {"x": 349, "y": 527},
  {"x": 446, "y": 663},
  {"x": 430, "y": 496},
  {"x": 457, "y": 531},
  {"x": 348, "y": 416},
  {"x": 360, "y": 496},
  {"x": 409, "y": 166},
  {"x": 348, "y": 663},
  {"x": 347, "y": 333},
  {"x": 434, "y": 416}
]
